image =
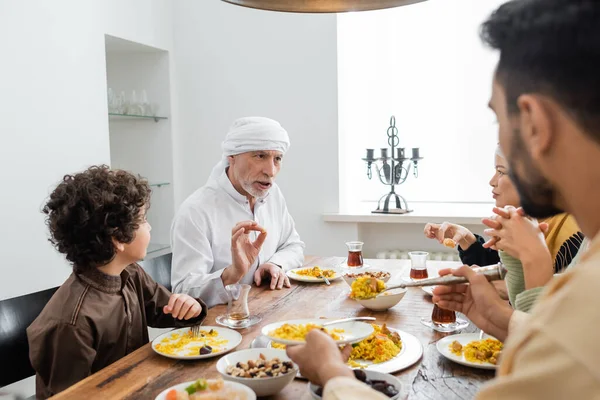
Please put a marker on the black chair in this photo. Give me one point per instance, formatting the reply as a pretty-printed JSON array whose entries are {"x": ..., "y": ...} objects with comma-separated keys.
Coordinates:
[
  {"x": 16, "y": 315},
  {"x": 159, "y": 269}
]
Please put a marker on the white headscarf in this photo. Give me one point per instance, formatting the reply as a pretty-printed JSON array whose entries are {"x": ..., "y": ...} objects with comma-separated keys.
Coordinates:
[
  {"x": 499, "y": 152},
  {"x": 251, "y": 134}
]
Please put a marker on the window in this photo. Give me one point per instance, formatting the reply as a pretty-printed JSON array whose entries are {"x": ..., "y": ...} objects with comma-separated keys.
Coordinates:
[{"x": 426, "y": 65}]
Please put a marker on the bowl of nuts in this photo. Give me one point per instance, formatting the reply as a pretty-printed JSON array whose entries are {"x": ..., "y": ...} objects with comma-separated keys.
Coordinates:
[{"x": 266, "y": 371}]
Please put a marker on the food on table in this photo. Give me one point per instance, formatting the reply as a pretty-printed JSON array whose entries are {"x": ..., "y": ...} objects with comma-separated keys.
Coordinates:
[
  {"x": 298, "y": 331},
  {"x": 449, "y": 243},
  {"x": 456, "y": 348},
  {"x": 366, "y": 288},
  {"x": 316, "y": 272},
  {"x": 185, "y": 344},
  {"x": 261, "y": 368},
  {"x": 381, "y": 346},
  {"x": 203, "y": 389},
  {"x": 479, "y": 351},
  {"x": 381, "y": 386},
  {"x": 371, "y": 274}
]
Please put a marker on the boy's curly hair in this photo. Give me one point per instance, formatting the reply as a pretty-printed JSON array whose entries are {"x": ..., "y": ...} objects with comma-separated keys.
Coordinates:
[{"x": 87, "y": 210}]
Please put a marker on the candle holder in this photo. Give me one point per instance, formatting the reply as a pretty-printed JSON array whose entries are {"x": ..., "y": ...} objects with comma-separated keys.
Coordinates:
[{"x": 392, "y": 169}]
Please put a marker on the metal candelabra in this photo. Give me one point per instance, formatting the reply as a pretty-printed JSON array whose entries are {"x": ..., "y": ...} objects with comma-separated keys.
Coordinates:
[{"x": 393, "y": 170}]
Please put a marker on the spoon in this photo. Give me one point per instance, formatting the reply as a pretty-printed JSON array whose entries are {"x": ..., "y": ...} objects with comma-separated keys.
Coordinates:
[
  {"x": 339, "y": 321},
  {"x": 491, "y": 272}
]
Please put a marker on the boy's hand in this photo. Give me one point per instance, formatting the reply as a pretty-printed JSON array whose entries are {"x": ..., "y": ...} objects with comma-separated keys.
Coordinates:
[{"x": 182, "y": 306}]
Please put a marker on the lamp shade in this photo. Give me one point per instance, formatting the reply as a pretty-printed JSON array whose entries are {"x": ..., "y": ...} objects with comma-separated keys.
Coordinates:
[{"x": 321, "y": 6}]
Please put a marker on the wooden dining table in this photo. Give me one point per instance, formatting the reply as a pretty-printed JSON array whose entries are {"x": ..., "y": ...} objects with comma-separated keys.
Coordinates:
[{"x": 143, "y": 374}]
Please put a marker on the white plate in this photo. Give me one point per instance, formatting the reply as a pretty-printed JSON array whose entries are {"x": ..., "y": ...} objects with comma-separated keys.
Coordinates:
[
  {"x": 354, "y": 331},
  {"x": 249, "y": 394},
  {"x": 233, "y": 340},
  {"x": 348, "y": 268},
  {"x": 411, "y": 353},
  {"x": 301, "y": 278},
  {"x": 371, "y": 375},
  {"x": 428, "y": 289},
  {"x": 464, "y": 339}
]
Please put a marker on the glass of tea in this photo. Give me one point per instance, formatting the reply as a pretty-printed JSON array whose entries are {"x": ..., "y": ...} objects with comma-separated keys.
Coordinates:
[
  {"x": 355, "y": 258},
  {"x": 418, "y": 264},
  {"x": 443, "y": 320},
  {"x": 238, "y": 314}
]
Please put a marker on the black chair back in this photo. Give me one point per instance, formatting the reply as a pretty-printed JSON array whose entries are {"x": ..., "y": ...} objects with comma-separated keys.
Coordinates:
[
  {"x": 159, "y": 269},
  {"x": 16, "y": 315}
]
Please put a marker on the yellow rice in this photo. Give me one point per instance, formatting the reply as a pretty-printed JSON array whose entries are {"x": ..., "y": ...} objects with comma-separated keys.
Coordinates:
[
  {"x": 362, "y": 288},
  {"x": 298, "y": 332},
  {"x": 378, "y": 348},
  {"x": 480, "y": 351},
  {"x": 186, "y": 345},
  {"x": 316, "y": 272}
]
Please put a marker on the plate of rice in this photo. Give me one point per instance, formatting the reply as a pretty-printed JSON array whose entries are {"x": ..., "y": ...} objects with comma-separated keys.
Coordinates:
[
  {"x": 294, "y": 331},
  {"x": 386, "y": 350},
  {"x": 180, "y": 344},
  {"x": 467, "y": 349},
  {"x": 313, "y": 274}
]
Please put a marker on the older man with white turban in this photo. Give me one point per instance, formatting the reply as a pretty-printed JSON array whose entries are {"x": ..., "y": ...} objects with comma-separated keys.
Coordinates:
[{"x": 240, "y": 194}]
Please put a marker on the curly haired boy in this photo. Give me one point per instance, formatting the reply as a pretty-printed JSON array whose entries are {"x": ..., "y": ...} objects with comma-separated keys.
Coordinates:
[{"x": 97, "y": 219}]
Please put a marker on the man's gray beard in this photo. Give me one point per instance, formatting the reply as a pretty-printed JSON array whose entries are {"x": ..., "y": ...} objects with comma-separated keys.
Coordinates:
[{"x": 257, "y": 194}]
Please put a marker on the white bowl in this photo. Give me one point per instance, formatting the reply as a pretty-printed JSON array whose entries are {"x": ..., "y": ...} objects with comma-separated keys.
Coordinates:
[
  {"x": 260, "y": 386},
  {"x": 231, "y": 385},
  {"x": 350, "y": 280},
  {"x": 371, "y": 375},
  {"x": 383, "y": 301}
]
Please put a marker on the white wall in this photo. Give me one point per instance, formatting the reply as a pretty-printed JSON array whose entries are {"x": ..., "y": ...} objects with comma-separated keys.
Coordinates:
[
  {"x": 53, "y": 117},
  {"x": 232, "y": 62},
  {"x": 53, "y": 114}
]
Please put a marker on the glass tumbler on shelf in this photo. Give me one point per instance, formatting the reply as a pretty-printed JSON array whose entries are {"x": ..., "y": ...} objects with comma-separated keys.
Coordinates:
[
  {"x": 145, "y": 107},
  {"x": 111, "y": 99},
  {"x": 121, "y": 103},
  {"x": 238, "y": 313},
  {"x": 134, "y": 106}
]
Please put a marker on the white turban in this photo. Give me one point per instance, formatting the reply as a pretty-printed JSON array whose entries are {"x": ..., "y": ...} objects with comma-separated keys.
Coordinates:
[{"x": 251, "y": 134}]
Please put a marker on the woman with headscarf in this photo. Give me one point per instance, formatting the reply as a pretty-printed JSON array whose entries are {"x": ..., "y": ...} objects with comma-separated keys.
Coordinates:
[
  {"x": 240, "y": 194},
  {"x": 560, "y": 242}
]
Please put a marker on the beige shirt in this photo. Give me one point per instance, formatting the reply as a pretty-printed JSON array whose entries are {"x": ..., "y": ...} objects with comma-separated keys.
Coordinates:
[{"x": 555, "y": 354}]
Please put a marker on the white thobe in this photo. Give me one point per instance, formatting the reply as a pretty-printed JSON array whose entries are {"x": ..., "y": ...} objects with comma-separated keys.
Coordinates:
[{"x": 201, "y": 238}]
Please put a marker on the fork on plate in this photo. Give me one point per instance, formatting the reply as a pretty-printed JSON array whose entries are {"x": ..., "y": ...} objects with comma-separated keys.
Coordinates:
[{"x": 195, "y": 330}]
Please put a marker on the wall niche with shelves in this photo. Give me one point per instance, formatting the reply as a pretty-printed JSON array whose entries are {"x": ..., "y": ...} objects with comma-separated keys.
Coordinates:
[{"x": 140, "y": 133}]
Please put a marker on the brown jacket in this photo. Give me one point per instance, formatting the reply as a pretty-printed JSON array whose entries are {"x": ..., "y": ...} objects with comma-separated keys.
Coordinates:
[{"x": 92, "y": 321}]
